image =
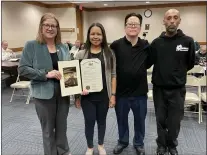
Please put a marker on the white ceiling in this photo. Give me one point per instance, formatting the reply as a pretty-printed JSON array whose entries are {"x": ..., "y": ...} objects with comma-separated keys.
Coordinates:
[{"x": 92, "y": 4}]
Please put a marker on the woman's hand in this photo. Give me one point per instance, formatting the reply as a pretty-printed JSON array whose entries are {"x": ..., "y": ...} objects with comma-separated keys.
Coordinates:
[
  {"x": 85, "y": 92},
  {"x": 78, "y": 103},
  {"x": 54, "y": 74},
  {"x": 112, "y": 101}
]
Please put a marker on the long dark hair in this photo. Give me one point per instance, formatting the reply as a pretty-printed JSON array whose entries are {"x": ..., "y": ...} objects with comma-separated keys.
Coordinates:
[{"x": 104, "y": 44}]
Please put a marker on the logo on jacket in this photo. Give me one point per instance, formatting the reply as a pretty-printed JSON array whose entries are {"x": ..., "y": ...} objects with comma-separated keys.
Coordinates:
[{"x": 181, "y": 48}]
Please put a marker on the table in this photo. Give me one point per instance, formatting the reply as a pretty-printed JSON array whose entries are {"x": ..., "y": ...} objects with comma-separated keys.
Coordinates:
[
  {"x": 11, "y": 69},
  {"x": 9, "y": 64}
]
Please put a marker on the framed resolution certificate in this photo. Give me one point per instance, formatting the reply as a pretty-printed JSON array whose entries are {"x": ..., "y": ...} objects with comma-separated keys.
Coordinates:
[{"x": 78, "y": 76}]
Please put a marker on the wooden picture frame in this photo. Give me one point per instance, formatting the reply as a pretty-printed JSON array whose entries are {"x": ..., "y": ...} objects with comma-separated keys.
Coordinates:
[{"x": 147, "y": 26}]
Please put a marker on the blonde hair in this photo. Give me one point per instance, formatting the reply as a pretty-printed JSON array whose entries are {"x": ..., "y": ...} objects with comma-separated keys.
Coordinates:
[{"x": 40, "y": 37}]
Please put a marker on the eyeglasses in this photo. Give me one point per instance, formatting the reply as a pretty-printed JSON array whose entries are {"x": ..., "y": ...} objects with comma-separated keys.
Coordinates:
[
  {"x": 132, "y": 24},
  {"x": 47, "y": 26}
]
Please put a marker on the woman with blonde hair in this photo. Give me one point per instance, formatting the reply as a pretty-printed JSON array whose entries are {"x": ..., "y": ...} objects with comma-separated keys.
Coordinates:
[{"x": 39, "y": 64}]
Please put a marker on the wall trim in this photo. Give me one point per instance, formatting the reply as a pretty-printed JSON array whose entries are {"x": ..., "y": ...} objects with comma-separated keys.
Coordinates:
[
  {"x": 17, "y": 49},
  {"x": 36, "y": 3},
  {"x": 72, "y": 5},
  {"x": 202, "y": 43},
  {"x": 62, "y": 5},
  {"x": 200, "y": 3}
]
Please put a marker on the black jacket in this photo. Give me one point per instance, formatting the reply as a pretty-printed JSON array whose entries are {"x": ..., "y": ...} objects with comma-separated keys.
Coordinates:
[{"x": 172, "y": 58}]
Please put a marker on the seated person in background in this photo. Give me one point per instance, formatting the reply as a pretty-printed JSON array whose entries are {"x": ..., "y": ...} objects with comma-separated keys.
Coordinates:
[
  {"x": 201, "y": 56},
  {"x": 6, "y": 52},
  {"x": 74, "y": 50},
  {"x": 197, "y": 46},
  {"x": 82, "y": 46},
  {"x": 70, "y": 45}
]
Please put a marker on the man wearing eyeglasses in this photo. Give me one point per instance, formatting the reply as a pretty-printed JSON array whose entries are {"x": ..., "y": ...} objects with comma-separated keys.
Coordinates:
[{"x": 132, "y": 64}]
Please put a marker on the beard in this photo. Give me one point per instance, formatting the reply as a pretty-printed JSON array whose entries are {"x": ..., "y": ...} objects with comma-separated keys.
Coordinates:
[{"x": 171, "y": 29}]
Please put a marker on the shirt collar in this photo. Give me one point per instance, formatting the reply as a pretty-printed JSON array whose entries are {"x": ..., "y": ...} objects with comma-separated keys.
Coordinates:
[{"x": 137, "y": 44}]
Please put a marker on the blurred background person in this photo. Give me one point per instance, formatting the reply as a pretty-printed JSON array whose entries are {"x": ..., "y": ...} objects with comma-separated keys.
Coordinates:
[
  {"x": 201, "y": 56},
  {"x": 74, "y": 50},
  {"x": 82, "y": 46},
  {"x": 69, "y": 44},
  {"x": 6, "y": 52},
  {"x": 197, "y": 46}
]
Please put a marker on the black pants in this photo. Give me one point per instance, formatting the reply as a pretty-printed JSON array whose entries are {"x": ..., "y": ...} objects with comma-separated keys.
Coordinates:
[
  {"x": 53, "y": 114},
  {"x": 95, "y": 111},
  {"x": 169, "y": 110}
]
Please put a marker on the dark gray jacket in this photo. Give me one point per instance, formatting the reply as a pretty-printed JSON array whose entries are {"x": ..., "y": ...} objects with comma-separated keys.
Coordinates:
[{"x": 34, "y": 64}]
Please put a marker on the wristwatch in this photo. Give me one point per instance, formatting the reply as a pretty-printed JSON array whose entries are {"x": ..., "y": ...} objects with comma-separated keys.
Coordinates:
[{"x": 113, "y": 94}]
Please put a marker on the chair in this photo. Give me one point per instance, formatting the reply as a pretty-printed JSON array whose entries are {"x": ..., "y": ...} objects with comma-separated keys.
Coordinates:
[
  {"x": 150, "y": 93},
  {"x": 21, "y": 85},
  {"x": 4, "y": 77},
  {"x": 203, "y": 96},
  {"x": 149, "y": 71},
  {"x": 203, "y": 92},
  {"x": 197, "y": 69},
  {"x": 194, "y": 98},
  {"x": 203, "y": 83}
]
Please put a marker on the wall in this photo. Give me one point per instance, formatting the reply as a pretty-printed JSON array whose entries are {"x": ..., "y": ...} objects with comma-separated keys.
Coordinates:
[
  {"x": 193, "y": 22},
  {"x": 20, "y": 22},
  {"x": 85, "y": 24},
  {"x": 67, "y": 19}
]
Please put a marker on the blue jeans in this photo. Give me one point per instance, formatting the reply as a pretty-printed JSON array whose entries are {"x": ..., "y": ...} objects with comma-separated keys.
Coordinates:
[{"x": 139, "y": 109}]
